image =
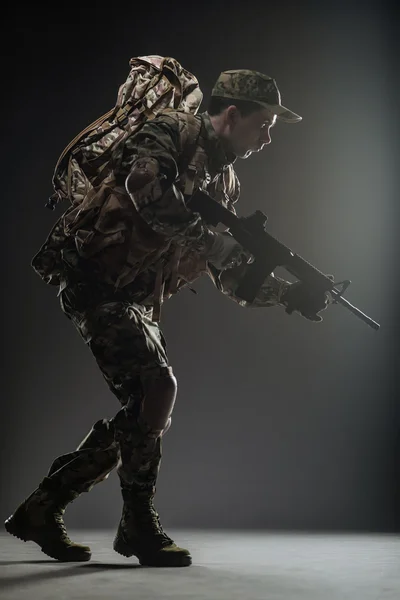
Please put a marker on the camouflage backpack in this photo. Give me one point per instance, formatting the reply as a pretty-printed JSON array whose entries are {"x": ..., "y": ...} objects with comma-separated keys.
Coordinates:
[{"x": 154, "y": 84}]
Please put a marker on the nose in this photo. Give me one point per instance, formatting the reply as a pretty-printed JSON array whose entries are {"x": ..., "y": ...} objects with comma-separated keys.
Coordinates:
[{"x": 265, "y": 136}]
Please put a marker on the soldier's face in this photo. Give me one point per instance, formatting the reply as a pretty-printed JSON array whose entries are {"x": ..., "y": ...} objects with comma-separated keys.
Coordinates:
[{"x": 248, "y": 134}]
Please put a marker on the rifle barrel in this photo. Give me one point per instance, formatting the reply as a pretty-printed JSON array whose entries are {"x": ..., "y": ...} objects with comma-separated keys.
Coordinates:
[{"x": 356, "y": 311}]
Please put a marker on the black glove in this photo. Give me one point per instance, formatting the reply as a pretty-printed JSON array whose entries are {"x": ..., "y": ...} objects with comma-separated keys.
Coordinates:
[{"x": 299, "y": 298}]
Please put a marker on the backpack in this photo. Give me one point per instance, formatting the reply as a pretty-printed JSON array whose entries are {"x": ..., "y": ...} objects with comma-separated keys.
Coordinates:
[{"x": 155, "y": 84}]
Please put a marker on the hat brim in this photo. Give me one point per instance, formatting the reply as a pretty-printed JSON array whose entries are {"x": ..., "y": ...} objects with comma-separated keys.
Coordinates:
[{"x": 283, "y": 113}]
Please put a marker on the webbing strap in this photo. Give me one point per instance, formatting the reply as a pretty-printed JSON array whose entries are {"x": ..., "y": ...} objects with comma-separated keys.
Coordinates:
[{"x": 87, "y": 129}]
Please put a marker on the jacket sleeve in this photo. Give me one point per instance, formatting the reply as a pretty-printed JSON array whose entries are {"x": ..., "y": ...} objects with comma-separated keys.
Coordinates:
[
  {"x": 227, "y": 282},
  {"x": 154, "y": 154}
]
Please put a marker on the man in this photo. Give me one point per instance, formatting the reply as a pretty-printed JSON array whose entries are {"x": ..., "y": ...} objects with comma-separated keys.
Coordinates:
[{"x": 134, "y": 243}]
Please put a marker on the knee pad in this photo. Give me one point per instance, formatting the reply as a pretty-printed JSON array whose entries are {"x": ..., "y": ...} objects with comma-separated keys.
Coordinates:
[{"x": 160, "y": 388}]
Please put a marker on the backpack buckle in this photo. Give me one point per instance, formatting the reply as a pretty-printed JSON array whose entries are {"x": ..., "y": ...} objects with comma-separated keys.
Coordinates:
[{"x": 123, "y": 113}]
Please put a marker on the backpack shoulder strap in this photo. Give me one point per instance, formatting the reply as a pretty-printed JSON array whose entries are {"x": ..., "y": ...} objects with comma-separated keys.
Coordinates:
[{"x": 190, "y": 144}]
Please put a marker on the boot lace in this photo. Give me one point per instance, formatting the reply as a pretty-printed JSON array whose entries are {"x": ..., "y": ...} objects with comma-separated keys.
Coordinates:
[
  {"x": 57, "y": 518},
  {"x": 148, "y": 519}
]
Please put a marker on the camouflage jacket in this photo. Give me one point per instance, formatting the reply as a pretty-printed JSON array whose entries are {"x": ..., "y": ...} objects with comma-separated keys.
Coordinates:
[{"x": 149, "y": 251}]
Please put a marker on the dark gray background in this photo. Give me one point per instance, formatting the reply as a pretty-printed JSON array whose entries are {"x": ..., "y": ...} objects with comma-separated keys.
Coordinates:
[{"x": 279, "y": 422}]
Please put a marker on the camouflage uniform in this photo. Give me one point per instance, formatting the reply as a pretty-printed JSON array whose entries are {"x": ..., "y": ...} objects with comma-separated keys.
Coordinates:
[{"x": 121, "y": 259}]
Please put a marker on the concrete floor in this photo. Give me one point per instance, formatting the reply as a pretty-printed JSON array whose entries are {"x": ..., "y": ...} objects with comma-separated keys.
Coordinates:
[{"x": 226, "y": 565}]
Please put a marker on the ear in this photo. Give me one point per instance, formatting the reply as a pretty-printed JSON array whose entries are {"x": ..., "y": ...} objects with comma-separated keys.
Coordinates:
[{"x": 232, "y": 115}]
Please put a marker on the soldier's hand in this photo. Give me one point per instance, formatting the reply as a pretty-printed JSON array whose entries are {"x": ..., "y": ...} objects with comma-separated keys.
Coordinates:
[
  {"x": 299, "y": 298},
  {"x": 225, "y": 252}
]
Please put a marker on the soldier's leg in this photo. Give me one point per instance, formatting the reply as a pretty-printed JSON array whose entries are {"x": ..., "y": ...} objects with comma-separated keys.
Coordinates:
[
  {"x": 97, "y": 452},
  {"x": 40, "y": 517},
  {"x": 126, "y": 345},
  {"x": 131, "y": 352}
]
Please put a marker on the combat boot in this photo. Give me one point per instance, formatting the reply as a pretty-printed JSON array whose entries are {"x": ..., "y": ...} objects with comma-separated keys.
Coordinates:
[
  {"x": 40, "y": 519},
  {"x": 140, "y": 533}
]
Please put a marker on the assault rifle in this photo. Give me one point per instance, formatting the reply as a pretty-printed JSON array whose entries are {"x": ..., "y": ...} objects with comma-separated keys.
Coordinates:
[{"x": 269, "y": 254}]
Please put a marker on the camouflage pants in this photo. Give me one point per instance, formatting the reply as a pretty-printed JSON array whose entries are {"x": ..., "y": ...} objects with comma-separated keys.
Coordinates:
[{"x": 130, "y": 351}]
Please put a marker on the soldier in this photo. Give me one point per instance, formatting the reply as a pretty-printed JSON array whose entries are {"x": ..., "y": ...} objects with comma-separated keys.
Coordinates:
[{"x": 140, "y": 246}]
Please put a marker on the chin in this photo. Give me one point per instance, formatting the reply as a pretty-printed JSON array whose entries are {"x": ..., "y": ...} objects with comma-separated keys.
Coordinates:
[{"x": 246, "y": 154}]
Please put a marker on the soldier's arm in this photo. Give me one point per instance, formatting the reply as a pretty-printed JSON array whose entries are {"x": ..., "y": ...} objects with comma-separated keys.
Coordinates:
[
  {"x": 227, "y": 282},
  {"x": 156, "y": 149}
]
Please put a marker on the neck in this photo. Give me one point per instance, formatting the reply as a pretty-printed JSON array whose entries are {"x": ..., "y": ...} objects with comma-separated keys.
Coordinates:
[{"x": 218, "y": 123}]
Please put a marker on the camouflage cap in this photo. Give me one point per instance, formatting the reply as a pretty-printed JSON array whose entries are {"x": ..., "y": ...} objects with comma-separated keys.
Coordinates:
[{"x": 242, "y": 84}]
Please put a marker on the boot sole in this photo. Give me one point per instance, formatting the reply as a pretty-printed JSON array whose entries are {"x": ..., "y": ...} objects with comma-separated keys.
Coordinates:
[
  {"x": 164, "y": 560},
  {"x": 11, "y": 526}
]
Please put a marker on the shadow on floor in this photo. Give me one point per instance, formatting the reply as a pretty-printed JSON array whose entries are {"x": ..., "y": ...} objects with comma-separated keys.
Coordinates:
[{"x": 62, "y": 571}]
